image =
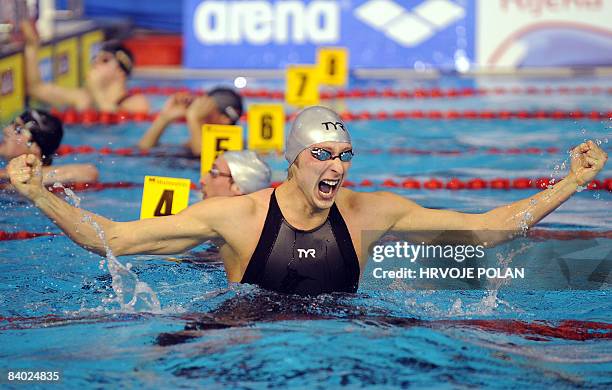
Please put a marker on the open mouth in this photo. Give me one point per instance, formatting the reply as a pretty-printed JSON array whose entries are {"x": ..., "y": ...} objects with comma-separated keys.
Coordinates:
[{"x": 328, "y": 187}]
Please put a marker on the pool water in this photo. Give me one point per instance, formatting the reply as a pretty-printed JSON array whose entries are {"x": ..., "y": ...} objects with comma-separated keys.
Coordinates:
[{"x": 56, "y": 300}]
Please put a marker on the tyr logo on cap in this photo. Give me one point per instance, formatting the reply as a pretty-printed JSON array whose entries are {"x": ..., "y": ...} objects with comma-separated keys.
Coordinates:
[{"x": 335, "y": 124}]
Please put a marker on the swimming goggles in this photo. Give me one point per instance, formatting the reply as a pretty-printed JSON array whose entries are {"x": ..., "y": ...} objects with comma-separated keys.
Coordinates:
[
  {"x": 324, "y": 155},
  {"x": 214, "y": 172}
]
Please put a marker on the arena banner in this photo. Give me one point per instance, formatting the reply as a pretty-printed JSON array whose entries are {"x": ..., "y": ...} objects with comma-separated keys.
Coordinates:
[
  {"x": 416, "y": 34},
  {"x": 12, "y": 92},
  {"x": 543, "y": 33}
]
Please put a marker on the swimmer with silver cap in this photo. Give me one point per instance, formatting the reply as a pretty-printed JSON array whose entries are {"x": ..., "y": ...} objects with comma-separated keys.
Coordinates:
[
  {"x": 305, "y": 236},
  {"x": 323, "y": 134},
  {"x": 236, "y": 173}
]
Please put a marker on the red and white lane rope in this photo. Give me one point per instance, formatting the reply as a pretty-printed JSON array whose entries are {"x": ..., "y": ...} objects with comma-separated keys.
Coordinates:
[
  {"x": 415, "y": 93},
  {"x": 66, "y": 150},
  {"x": 91, "y": 117},
  {"x": 454, "y": 184}
]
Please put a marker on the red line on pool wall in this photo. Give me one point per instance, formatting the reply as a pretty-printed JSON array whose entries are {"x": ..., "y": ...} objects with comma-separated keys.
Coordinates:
[
  {"x": 415, "y": 93},
  {"x": 91, "y": 117}
]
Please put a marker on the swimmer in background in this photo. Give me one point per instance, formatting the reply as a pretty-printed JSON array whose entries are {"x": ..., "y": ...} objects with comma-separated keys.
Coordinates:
[
  {"x": 236, "y": 173},
  {"x": 39, "y": 133},
  {"x": 105, "y": 85},
  {"x": 222, "y": 106},
  {"x": 305, "y": 236}
]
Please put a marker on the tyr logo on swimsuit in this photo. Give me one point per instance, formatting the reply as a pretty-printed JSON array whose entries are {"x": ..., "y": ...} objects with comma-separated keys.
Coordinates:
[
  {"x": 334, "y": 124},
  {"x": 304, "y": 253}
]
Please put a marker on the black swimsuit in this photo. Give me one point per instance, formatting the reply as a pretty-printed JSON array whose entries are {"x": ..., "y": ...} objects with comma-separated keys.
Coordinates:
[{"x": 293, "y": 261}]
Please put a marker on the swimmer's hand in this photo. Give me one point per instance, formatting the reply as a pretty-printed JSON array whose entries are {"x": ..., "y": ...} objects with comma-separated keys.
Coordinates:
[
  {"x": 25, "y": 173},
  {"x": 587, "y": 159},
  {"x": 176, "y": 106},
  {"x": 201, "y": 109}
]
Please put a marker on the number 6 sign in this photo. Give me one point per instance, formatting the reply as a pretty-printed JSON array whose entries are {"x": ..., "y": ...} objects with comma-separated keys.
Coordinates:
[{"x": 266, "y": 127}]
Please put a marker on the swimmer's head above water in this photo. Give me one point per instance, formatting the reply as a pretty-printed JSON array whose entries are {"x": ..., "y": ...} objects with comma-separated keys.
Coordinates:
[
  {"x": 236, "y": 173},
  {"x": 34, "y": 131},
  {"x": 113, "y": 62},
  {"x": 319, "y": 152},
  {"x": 228, "y": 102}
]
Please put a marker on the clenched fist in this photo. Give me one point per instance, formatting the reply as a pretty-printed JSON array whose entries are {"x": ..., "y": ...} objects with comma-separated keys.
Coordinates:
[
  {"x": 25, "y": 173},
  {"x": 587, "y": 159}
]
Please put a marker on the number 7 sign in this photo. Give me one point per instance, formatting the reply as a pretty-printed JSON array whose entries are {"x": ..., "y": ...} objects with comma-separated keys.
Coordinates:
[{"x": 302, "y": 85}]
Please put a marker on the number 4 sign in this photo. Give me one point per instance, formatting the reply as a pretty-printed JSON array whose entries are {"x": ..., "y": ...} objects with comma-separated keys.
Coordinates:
[
  {"x": 266, "y": 127},
  {"x": 163, "y": 196}
]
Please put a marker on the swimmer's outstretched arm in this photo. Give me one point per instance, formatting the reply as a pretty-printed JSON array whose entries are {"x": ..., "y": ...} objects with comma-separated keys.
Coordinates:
[
  {"x": 587, "y": 160},
  {"x": 166, "y": 235},
  {"x": 47, "y": 92}
]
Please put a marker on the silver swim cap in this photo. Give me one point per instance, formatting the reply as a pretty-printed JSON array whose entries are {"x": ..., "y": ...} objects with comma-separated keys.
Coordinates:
[
  {"x": 249, "y": 172},
  {"x": 314, "y": 125}
]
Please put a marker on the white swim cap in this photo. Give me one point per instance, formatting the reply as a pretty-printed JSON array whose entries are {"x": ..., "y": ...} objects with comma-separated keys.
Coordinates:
[
  {"x": 314, "y": 125},
  {"x": 249, "y": 172}
]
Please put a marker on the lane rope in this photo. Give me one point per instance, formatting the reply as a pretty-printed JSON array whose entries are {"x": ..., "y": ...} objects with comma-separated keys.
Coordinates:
[
  {"x": 415, "y": 93},
  {"x": 66, "y": 150},
  {"x": 92, "y": 117},
  {"x": 500, "y": 183}
]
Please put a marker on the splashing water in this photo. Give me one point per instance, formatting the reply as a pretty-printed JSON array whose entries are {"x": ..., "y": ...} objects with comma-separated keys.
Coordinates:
[{"x": 131, "y": 294}]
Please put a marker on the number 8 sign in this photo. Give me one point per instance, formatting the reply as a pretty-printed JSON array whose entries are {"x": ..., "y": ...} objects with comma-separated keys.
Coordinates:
[
  {"x": 302, "y": 85},
  {"x": 333, "y": 65},
  {"x": 266, "y": 127}
]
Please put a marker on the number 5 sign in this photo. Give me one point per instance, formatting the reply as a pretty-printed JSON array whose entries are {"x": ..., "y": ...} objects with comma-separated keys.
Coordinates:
[
  {"x": 163, "y": 196},
  {"x": 266, "y": 127},
  {"x": 217, "y": 139},
  {"x": 302, "y": 85}
]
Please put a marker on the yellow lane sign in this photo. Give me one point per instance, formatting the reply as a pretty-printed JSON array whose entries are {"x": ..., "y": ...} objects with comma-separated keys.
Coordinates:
[
  {"x": 333, "y": 65},
  {"x": 217, "y": 139},
  {"x": 302, "y": 85},
  {"x": 163, "y": 196},
  {"x": 266, "y": 127}
]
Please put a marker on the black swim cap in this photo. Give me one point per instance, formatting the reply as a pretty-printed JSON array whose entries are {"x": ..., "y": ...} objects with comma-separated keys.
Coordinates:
[
  {"x": 228, "y": 101},
  {"x": 46, "y": 130},
  {"x": 122, "y": 54}
]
